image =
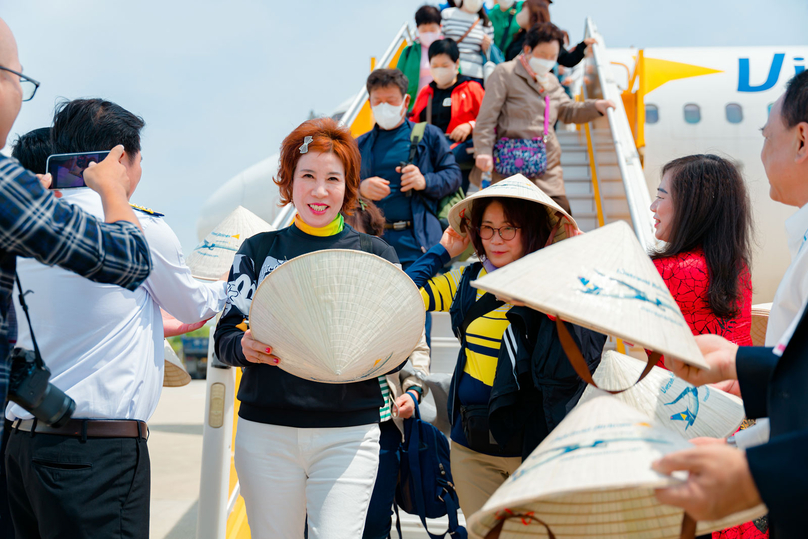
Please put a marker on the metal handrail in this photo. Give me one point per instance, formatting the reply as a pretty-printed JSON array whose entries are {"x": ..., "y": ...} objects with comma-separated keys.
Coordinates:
[
  {"x": 356, "y": 105},
  {"x": 628, "y": 160}
]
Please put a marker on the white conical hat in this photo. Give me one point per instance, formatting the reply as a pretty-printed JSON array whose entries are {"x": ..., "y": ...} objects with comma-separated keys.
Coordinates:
[
  {"x": 516, "y": 186},
  {"x": 175, "y": 374},
  {"x": 672, "y": 402},
  {"x": 604, "y": 281},
  {"x": 338, "y": 316},
  {"x": 592, "y": 478},
  {"x": 214, "y": 256},
  {"x": 760, "y": 323}
]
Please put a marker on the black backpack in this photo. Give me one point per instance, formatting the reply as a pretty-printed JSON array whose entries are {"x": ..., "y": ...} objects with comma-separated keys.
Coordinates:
[{"x": 425, "y": 487}]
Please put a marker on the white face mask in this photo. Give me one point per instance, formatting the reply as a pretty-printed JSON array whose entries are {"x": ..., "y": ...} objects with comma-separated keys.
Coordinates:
[
  {"x": 471, "y": 6},
  {"x": 444, "y": 75},
  {"x": 428, "y": 38},
  {"x": 540, "y": 66},
  {"x": 386, "y": 115},
  {"x": 505, "y": 5}
]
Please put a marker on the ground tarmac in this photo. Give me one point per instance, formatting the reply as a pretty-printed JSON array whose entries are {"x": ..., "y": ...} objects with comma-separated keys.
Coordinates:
[{"x": 175, "y": 448}]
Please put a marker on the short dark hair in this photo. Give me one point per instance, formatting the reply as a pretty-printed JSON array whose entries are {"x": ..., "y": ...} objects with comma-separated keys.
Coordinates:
[
  {"x": 32, "y": 149},
  {"x": 86, "y": 125},
  {"x": 444, "y": 46},
  {"x": 711, "y": 210},
  {"x": 368, "y": 218},
  {"x": 544, "y": 32},
  {"x": 427, "y": 15},
  {"x": 795, "y": 103},
  {"x": 382, "y": 78},
  {"x": 532, "y": 220}
]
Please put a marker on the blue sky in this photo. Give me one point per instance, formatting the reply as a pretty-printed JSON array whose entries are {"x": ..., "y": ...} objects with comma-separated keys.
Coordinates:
[{"x": 221, "y": 83}]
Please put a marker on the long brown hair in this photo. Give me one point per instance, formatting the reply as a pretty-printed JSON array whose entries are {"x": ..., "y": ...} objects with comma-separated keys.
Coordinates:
[
  {"x": 530, "y": 217},
  {"x": 711, "y": 210}
]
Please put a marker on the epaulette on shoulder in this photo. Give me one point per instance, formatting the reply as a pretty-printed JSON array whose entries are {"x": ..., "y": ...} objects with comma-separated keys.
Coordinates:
[{"x": 148, "y": 211}]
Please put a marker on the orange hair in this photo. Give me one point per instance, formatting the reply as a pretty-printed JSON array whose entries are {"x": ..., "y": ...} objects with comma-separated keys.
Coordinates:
[{"x": 327, "y": 137}]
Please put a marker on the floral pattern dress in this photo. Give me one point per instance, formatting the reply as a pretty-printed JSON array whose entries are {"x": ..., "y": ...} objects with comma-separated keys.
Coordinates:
[{"x": 687, "y": 277}]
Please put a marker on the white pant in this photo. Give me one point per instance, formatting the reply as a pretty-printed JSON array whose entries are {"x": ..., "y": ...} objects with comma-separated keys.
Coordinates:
[{"x": 286, "y": 473}]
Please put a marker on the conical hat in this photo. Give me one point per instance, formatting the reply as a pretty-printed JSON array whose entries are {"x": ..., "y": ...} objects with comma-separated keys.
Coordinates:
[
  {"x": 214, "y": 256},
  {"x": 604, "y": 281},
  {"x": 338, "y": 316},
  {"x": 515, "y": 187},
  {"x": 175, "y": 374},
  {"x": 592, "y": 478},
  {"x": 672, "y": 402},
  {"x": 760, "y": 322}
]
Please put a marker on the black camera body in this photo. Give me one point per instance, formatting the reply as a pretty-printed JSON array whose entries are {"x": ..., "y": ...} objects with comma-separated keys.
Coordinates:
[{"x": 29, "y": 387}]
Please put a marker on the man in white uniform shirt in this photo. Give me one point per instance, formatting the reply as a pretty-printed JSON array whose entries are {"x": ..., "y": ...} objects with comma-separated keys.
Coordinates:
[{"x": 104, "y": 346}]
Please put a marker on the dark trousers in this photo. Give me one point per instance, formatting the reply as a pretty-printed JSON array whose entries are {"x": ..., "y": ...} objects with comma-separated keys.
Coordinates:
[
  {"x": 6, "y": 527},
  {"x": 63, "y": 487},
  {"x": 465, "y": 160},
  {"x": 379, "y": 521}
]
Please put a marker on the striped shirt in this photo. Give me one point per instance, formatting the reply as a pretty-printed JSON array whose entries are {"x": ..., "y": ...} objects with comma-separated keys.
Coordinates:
[
  {"x": 384, "y": 411},
  {"x": 456, "y": 22}
]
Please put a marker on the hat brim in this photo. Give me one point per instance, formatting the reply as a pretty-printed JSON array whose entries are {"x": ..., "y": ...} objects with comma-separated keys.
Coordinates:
[{"x": 518, "y": 187}]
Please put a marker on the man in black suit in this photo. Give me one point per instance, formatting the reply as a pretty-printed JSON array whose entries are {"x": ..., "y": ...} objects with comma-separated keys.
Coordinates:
[{"x": 772, "y": 381}]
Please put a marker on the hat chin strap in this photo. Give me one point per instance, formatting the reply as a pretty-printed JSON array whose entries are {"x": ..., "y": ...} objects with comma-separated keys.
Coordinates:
[{"x": 688, "y": 524}]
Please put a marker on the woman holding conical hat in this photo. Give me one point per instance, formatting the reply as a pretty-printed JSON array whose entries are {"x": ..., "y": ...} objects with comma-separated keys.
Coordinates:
[
  {"x": 504, "y": 223},
  {"x": 302, "y": 449},
  {"x": 703, "y": 214}
]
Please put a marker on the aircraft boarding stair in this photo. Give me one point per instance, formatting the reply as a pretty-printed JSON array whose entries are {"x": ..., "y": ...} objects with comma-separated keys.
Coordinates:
[{"x": 604, "y": 182}]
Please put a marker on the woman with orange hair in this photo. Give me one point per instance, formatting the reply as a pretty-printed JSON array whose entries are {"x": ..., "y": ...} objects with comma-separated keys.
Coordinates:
[{"x": 302, "y": 447}]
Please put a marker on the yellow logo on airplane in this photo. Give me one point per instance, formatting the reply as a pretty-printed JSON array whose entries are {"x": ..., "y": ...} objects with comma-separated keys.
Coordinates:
[{"x": 658, "y": 72}]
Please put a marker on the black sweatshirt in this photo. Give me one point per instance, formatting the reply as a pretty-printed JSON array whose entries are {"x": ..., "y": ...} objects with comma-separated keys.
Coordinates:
[{"x": 267, "y": 393}]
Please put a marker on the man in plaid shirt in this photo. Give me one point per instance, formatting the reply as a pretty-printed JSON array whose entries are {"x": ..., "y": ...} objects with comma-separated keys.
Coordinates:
[{"x": 33, "y": 223}]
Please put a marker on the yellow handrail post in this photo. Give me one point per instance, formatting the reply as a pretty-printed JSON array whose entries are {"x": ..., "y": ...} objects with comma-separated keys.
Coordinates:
[
  {"x": 594, "y": 171},
  {"x": 372, "y": 63},
  {"x": 640, "y": 141}
]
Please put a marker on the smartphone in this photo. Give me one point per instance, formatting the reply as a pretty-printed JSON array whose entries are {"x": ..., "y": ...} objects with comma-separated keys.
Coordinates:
[{"x": 67, "y": 169}]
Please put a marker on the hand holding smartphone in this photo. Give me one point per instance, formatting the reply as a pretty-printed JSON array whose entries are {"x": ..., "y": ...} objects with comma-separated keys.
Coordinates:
[{"x": 67, "y": 169}]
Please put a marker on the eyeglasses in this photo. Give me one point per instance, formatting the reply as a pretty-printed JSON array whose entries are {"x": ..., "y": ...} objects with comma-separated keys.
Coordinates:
[
  {"x": 27, "y": 84},
  {"x": 507, "y": 233}
]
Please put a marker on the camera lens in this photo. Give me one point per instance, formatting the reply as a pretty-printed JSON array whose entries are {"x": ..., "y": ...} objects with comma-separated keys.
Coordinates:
[{"x": 56, "y": 407}]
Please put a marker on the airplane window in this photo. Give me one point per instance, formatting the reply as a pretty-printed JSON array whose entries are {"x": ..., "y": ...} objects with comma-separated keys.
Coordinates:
[
  {"x": 651, "y": 114},
  {"x": 734, "y": 113},
  {"x": 769, "y": 108},
  {"x": 692, "y": 113}
]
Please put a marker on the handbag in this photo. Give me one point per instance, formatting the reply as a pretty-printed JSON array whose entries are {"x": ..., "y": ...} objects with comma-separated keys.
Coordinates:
[
  {"x": 523, "y": 156},
  {"x": 425, "y": 486}
]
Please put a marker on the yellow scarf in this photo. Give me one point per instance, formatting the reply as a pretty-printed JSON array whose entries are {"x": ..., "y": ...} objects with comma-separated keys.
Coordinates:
[{"x": 334, "y": 227}]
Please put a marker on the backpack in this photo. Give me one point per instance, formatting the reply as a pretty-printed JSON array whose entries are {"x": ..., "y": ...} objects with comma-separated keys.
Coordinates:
[
  {"x": 425, "y": 487},
  {"x": 445, "y": 204}
]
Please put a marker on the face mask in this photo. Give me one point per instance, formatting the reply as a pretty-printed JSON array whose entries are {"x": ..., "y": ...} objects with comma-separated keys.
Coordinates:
[
  {"x": 540, "y": 66},
  {"x": 505, "y": 5},
  {"x": 387, "y": 116},
  {"x": 444, "y": 75},
  {"x": 471, "y": 6},
  {"x": 428, "y": 38}
]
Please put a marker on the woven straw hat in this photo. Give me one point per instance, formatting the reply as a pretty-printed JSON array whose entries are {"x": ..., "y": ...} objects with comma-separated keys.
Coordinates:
[
  {"x": 338, "y": 316},
  {"x": 760, "y": 322},
  {"x": 214, "y": 256},
  {"x": 592, "y": 477},
  {"x": 604, "y": 281},
  {"x": 517, "y": 187},
  {"x": 672, "y": 402},
  {"x": 175, "y": 374}
]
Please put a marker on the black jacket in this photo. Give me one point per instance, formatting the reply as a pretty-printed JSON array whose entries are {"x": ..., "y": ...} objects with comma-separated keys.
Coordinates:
[
  {"x": 269, "y": 394},
  {"x": 535, "y": 385},
  {"x": 778, "y": 388}
]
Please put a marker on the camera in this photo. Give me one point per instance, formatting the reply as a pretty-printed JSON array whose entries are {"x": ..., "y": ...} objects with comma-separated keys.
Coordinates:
[{"x": 29, "y": 387}]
